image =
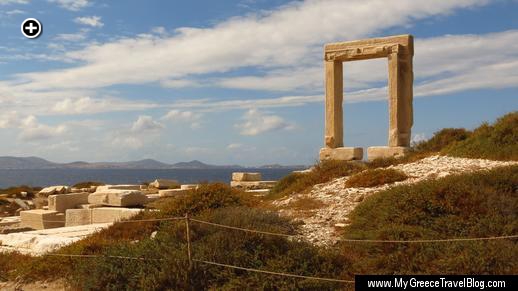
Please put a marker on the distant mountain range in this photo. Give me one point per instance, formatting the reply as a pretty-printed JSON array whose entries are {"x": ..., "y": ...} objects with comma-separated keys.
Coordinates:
[{"x": 7, "y": 163}]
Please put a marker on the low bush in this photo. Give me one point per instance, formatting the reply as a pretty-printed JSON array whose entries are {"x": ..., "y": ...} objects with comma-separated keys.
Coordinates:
[
  {"x": 87, "y": 184},
  {"x": 497, "y": 142},
  {"x": 375, "y": 177},
  {"x": 15, "y": 191},
  {"x": 165, "y": 263},
  {"x": 206, "y": 196},
  {"x": 480, "y": 204},
  {"x": 322, "y": 172},
  {"x": 442, "y": 139}
]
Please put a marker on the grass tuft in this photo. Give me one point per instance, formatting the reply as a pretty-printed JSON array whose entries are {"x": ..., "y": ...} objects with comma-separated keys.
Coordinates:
[{"x": 496, "y": 142}]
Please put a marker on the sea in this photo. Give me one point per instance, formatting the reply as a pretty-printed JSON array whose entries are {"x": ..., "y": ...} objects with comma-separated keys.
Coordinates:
[{"x": 50, "y": 177}]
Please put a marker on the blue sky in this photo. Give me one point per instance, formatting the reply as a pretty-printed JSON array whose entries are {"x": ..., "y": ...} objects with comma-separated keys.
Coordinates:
[{"x": 238, "y": 81}]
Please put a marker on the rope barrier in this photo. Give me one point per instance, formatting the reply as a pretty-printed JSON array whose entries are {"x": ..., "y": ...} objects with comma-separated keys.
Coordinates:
[
  {"x": 361, "y": 240},
  {"x": 188, "y": 219},
  {"x": 274, "y": 273},
  {"x": 298, "y": 236},
  {"x": 243, "y": 229},
  {"x": 99, "y": 256},
  {"x": 122, "y": 221},
  {"x": 432, "y": 240}
]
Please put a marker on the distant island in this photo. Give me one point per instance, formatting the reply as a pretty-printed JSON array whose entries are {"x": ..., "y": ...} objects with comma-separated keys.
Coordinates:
[{"x": 22, "y": 163}]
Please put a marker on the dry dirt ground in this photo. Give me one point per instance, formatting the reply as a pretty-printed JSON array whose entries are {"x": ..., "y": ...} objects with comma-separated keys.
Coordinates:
[
  {"x": 36, "y": 286},
  {"x": 324, "y": 210}
]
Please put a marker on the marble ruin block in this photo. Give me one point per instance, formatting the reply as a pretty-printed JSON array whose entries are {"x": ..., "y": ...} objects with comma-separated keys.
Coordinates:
[
  {"x": 164, "y": 184},
  {"x": 384, "y": 152},
  {"x": 249, "y": 177},
  {"x": 63, "y": 202},
  {"x": 120, "y": 198},
  {"x": 42, "y": 219},
  {"x": 172, "y": 192},
  {"x": 117, "y": 187},
  {"x": 76, "y": 217},
  {"x": 342, "y": 154}
]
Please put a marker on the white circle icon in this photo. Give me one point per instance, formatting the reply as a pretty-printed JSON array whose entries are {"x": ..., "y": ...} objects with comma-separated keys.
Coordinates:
[{"x": 31, "y": 28}]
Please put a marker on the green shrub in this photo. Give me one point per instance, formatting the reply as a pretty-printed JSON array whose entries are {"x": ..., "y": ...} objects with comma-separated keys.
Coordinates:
[
  {"x": 375, "y": 177},
  {"x": 442, "y": 139},
  {"x": 480, "y": 204},
  {"x": 88, "y": 184},
  {"x": 322, "y": 172},
  {"x": 170, "y": 270},
  {"x": 31, "y": 191},
  {"x": 206, "y": 196},
  {"x": 498, "y": 141}
]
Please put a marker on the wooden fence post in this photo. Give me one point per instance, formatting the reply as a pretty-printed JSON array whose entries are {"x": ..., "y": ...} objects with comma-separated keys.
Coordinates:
[{"x": 188, "y": 235}]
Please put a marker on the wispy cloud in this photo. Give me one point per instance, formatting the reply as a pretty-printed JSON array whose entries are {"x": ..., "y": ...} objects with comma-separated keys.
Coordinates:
[
  {"x": 174, "y": 115},
  {"x": 146, "y": 123},
  {"x": 7, "y": 2},
  {"x": 88, "y": 105},
  {"x": 72, "y": 5},
  {"x": 30, "y": 129},
  {"x": 93, "y": 21},
  {"x": 14, "y": 12},
  {"x": 269, "y": 40},
  {"x": 256, "y": 122}
]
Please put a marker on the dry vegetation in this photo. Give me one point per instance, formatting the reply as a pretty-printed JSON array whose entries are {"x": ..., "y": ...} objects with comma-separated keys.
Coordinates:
[{"x": 375, "y": 177}]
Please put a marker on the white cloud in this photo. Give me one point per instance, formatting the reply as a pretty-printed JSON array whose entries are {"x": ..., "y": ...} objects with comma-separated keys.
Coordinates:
[
  {"x": 125, "y": 142},
  {"x": 256, "y": 122},
  {"x": 240, "y": 148},
  {"x": 146, "y": 123},
  {"x": 7, "y": 2},
  {"x": 180, "y": 83},
  {"x": 93, "y": 21},
  {"x": 15, "y": 12},
  {"x": 73, "y": 5},
  {"x": 418, "y": 137},
  {"x": 159, "y": 30},
  {"x": 70, "y": 37},
  {"x": 9, "y": 120},
  {"x": 269, "y": 39},
  {"x": 32, "y": 130},
  {"x": 87, "y": 105},
  {"x": 211, "y": 105},
  {"x": 175, "y": 115}
]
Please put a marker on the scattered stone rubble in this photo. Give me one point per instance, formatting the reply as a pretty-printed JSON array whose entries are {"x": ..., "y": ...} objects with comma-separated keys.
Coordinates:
[
  {"x": 322, "y": 226},
  {"x": 64, "y": 215}
]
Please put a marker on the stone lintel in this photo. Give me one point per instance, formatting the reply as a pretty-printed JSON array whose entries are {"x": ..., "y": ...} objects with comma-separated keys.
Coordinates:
[
  {"x": 369, "y": 48},
  {"x": 383, "y": 152},
  {"x": 341, "y": 154}
]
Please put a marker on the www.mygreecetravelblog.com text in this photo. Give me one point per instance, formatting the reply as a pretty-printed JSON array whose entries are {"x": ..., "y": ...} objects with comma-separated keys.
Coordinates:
[{"x": 439, "y": 282}]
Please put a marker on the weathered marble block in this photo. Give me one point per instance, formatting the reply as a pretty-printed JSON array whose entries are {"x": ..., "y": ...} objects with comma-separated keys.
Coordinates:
[
  {"x": 120, "y": 198},
  {"x": 63, "y": 202},
  {"x": 42, "y": 219},
  {"x": 248, "y": 177}
]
